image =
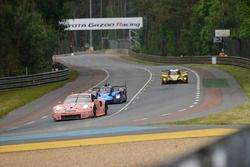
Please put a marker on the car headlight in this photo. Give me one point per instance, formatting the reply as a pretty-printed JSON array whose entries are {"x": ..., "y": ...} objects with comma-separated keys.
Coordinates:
[
  {"x": 58, "y": 108},
  {"x": 164, "y": 79},
  {"x": 185, "y": 78},
  {"x": 85, "y": 106},
  {"x": 118, "y": 96}
]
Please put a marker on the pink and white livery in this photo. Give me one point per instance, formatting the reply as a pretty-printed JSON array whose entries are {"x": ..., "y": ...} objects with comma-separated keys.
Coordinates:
[{"x": 79, "y": 106}]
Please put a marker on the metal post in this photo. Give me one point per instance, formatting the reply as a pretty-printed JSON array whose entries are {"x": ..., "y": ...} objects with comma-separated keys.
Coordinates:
[
  {"x": 26, "y": 71},
  {"x": 223, "y": 25},
  {"x": 90, "y": 15},
  {"x": 101, "y": 17},
  {"x": 130, "y": 37}
]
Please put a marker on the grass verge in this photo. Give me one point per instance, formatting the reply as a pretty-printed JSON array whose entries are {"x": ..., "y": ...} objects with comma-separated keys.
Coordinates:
[{"x": 12, "y": 99}]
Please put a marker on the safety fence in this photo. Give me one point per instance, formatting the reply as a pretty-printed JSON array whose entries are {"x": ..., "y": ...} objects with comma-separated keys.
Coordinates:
[
  {"x": 35, "y": 79},
  {"x": 236, "y": 61},
  {"x": 231, "y": 151}
]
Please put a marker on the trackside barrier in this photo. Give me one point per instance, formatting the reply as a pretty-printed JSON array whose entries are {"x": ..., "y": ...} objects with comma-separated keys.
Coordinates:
[
  {"x": 81, "y": 53},
  {"x": 231, "y": 151},
  {"x": 229, "y": 60},
  {"x": 34, "y": 79}
]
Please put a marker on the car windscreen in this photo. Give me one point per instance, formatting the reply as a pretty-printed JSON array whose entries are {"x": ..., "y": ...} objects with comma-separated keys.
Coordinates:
[
  {"x": 84, "y": 99},
  {"x": 174, "y": 72},
  {"x": 105, "y": 89},
  {"x": 70, "y": 99}
]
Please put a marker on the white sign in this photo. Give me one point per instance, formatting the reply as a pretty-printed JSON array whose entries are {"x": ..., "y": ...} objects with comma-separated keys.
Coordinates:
[
  {"x": 214, "y": 60},
  {"x": 103, "y": 23},
  {"x": 222, "y": 33}
]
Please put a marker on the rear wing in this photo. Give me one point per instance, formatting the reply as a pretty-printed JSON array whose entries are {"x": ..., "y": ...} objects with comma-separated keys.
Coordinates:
[
  {"x": 119, "y": 87},
  {"x": 95, "y": 89}
]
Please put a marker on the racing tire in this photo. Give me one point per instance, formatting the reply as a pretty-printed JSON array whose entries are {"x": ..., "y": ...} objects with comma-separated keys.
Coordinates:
[
  {"x": 106, "y": 109},
  {"x": 125, "y": 100},
  {"x": 94, "y": 111}
]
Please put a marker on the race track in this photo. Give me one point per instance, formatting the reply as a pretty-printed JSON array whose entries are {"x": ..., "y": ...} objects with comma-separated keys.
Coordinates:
[{"x": 148, "y": 103}]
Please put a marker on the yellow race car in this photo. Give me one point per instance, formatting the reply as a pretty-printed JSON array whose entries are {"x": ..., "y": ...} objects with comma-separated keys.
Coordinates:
[{"x": 174, "y": 76}]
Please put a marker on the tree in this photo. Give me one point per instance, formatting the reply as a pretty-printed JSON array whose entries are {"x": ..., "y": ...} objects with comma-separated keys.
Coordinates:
[{"x": 28, "y": 36}]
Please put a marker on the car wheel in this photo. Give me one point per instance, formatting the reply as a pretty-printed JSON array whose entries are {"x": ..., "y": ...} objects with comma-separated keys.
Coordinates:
[
  {"x": 94, "y": 111},
  {"x": 125, "y": 98},
  {"x": 106, "y": 109}
]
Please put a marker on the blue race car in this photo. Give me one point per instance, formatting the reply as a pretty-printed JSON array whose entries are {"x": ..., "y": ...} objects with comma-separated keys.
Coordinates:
[{"x": 111, "y": 94}]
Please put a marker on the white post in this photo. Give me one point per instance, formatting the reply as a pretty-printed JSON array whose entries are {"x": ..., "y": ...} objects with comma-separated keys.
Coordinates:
[
  {"x": 214, "y": 60},
  {"x": 90, "y": 15},
  {"x": 26, "y": 71}
]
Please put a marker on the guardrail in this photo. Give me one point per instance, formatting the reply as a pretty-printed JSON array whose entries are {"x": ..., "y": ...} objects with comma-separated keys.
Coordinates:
[
  {"x": 34, "y": 79},
  {"x": 231, "y": 151},
  {"x": 229, "y": 60},
  {"x": 82, "y": 53}
]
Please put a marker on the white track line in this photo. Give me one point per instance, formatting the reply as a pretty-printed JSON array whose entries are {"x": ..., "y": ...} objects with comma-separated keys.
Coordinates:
[
  {"x": 13, "y": 128},
  {"x": 46, "y": 116},
  {"x": 107, "y": 76},
  {"x": 198, "y": 87},
  {"x": 182, "y": 110},
  {"x": 150, "y": 77},
  {"x": 142, "y": 119},
  {"x": 31, "y": 122},
  {"x": 163, "y": 115}
]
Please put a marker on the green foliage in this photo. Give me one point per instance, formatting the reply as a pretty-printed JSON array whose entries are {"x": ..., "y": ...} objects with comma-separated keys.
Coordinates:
[
  {"x": 163, "y": 22},
  {"x": 29, "y": 35},
  {"x": 243, "y": 10},
  {"x": 187, "y": 27},
  {"x": 209, "y": 15}
]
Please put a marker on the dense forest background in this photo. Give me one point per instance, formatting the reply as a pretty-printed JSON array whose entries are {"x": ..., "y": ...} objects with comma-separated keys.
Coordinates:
[{"x": 30, "y": 33}]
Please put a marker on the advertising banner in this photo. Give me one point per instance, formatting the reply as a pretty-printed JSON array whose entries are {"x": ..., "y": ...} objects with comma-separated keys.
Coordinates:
[{"x": 103, "y": 23}]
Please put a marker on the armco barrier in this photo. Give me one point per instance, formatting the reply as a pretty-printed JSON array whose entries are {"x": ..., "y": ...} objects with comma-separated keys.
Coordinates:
[
  {"x": 34, "y": 79},
  {"x": 236, "y": 61}
]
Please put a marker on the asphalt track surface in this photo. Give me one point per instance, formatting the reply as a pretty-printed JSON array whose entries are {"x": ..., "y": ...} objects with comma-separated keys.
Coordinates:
[{"x": 149, "y": 102}]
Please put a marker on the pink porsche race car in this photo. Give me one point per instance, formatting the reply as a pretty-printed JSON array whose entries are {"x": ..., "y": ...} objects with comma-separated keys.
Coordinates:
[{"x": 78, "y": 106}]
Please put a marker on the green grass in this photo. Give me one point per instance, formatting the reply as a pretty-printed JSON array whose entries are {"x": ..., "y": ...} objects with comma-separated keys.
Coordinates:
[
  {"x": 12, "y": 99},
  {"x": 239, "y": 115}
]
